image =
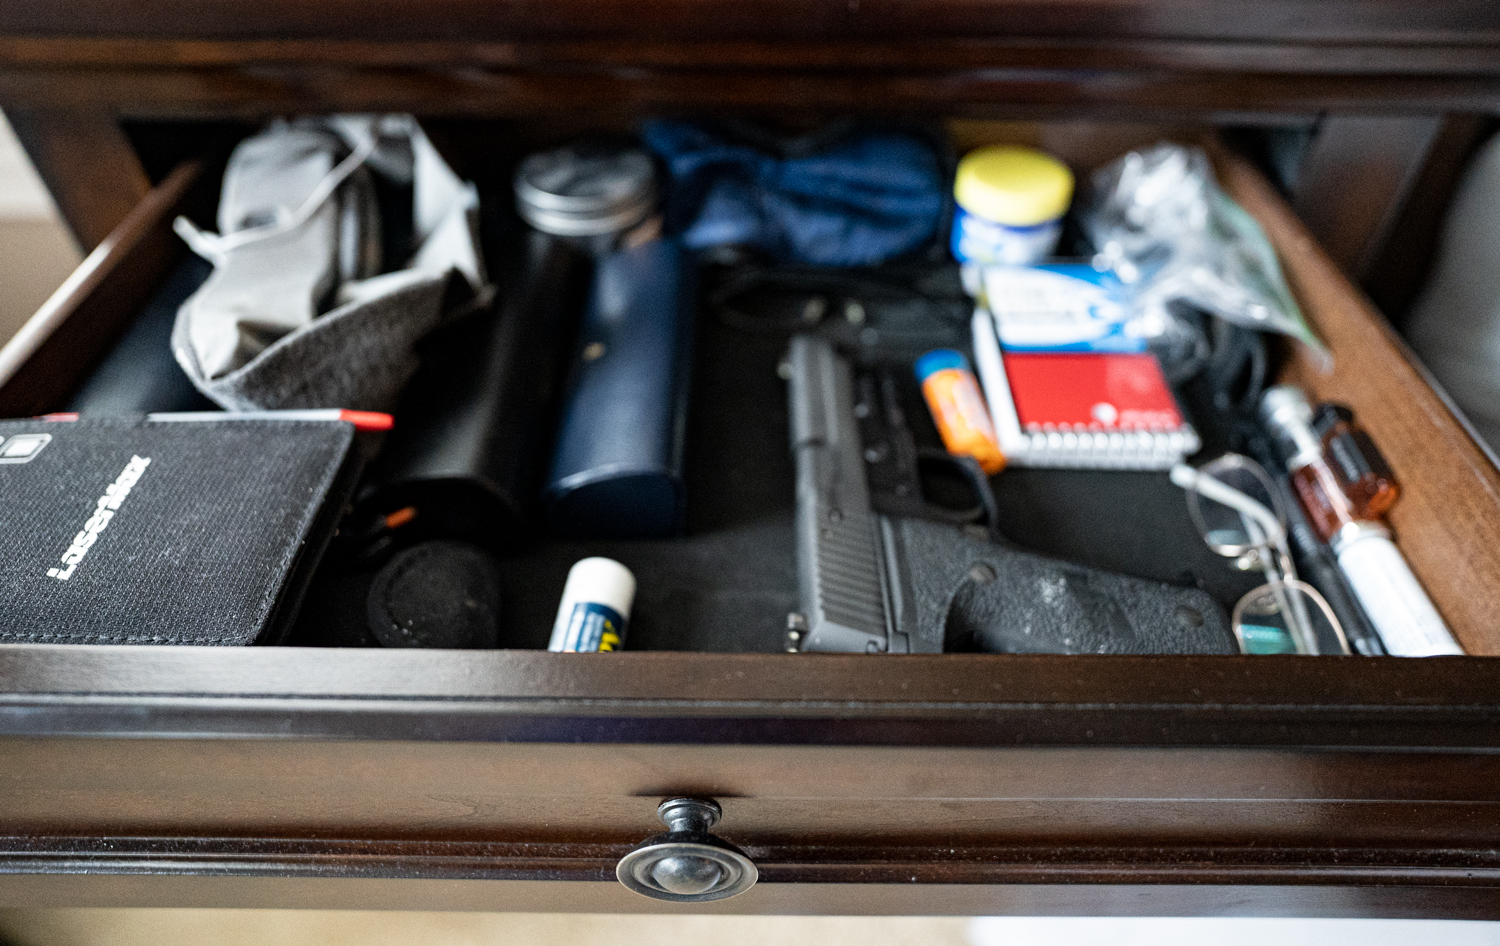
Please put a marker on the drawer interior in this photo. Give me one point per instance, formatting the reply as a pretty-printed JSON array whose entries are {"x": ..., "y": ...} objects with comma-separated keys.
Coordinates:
[{"x": 730, "y": 583}]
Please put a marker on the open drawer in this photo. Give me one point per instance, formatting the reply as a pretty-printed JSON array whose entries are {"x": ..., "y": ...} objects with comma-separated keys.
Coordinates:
[{"x": 959, "y": 783}]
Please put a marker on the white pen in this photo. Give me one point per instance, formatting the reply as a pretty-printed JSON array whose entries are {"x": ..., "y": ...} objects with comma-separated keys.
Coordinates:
[
  {"x": 362, "y": 420},
  {"x": 991, "y": 364}
]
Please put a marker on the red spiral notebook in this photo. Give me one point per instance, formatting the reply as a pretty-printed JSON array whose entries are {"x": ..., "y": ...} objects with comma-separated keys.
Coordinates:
[
  {"x": 1096, "y": 410},
  {"x": 1082, "y": 409},
  {"x": 1093, "y": 392}
]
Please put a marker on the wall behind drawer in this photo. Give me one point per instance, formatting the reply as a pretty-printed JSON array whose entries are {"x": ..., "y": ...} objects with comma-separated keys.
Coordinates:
[{"x": 36, "y": 252}]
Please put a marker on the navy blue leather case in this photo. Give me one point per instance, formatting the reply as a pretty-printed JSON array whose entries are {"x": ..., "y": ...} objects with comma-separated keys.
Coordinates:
[{"x": 617, "y": 469}]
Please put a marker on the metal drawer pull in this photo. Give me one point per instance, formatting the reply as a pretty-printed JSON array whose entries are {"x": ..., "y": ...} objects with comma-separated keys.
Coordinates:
[{"x": 687, "y": 864}]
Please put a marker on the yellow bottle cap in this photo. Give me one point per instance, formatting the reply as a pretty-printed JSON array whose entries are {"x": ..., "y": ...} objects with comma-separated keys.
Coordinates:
[{"x": 1018, "y": 187}]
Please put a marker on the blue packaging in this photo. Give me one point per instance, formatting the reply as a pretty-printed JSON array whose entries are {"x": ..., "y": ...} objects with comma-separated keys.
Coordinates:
[
  {"x": 593, "y": 628},
  {"x": 982, "y": 242},
  {"x": 1060, "y": 307}
]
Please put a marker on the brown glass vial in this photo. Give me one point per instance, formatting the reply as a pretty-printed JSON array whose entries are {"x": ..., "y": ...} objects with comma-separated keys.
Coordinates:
[
  {"x": 1289, "y": 419},
  {"x": 1358, "y": 465},
  {"x": 1319, "y": 491}
]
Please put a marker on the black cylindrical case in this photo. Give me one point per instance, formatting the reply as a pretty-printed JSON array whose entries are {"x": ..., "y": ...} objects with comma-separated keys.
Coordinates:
[
  {"x": 140, "y": 375},
  {"x": 470, "y": 440},
  {"x": 617, "y": 470}
]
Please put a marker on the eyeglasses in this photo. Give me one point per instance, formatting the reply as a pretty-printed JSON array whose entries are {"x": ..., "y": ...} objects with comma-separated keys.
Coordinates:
[{"x": 1238, "y": 511}]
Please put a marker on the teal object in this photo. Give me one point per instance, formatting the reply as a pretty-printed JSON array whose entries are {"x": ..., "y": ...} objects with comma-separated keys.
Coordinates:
[{"x": 1259, "y": 639}]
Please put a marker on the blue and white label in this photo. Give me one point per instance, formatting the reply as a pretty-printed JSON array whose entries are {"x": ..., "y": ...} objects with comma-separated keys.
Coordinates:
[
  {"x": 987, "y": 243},
  {"x": 1059, "y": 307},
  {"x": 591, "y": 628}
]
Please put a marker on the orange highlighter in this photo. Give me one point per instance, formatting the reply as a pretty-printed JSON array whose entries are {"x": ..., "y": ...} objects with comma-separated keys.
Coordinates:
[{"x": 957, "y": 406}]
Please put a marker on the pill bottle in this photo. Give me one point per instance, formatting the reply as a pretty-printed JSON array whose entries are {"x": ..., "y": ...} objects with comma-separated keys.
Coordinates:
[
  {"x": 595, "y": 607},
  {"x": 1011, "y": 202},
  {"x": 957, "y": 405}
]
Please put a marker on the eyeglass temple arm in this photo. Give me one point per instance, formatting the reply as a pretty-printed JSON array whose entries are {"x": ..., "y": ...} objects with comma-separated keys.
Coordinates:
[{"x": 1210, "y": 488}]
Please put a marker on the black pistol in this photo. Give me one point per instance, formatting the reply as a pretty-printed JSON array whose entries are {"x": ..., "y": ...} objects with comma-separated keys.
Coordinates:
[{"x": 895, "y": 581}]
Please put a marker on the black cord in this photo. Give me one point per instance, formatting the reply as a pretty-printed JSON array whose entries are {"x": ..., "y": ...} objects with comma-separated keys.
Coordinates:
[{"x": 1237, "y": 371}]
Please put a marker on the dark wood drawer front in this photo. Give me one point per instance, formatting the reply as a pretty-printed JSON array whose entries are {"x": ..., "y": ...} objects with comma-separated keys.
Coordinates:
[{"x": 985, "y": 771}]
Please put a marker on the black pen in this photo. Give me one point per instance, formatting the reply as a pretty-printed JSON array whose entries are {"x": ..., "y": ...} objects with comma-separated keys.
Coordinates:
[{"x": 1316, "y": 561}]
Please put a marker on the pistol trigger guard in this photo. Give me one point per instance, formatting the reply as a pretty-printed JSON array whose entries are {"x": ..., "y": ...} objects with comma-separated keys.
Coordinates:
[
  {"x": 986, "y": 512},
  {"x": 981, "y": 484}
]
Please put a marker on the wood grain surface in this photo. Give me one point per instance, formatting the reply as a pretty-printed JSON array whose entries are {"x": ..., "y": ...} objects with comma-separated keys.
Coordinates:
[
  {"x": 1390, "y": 22},
  {"x": 959, "y": 50},
  {"x": 474, "y": 57},
  {"x": 848, "y": 802},
  {"x": 267, "y": 89}
]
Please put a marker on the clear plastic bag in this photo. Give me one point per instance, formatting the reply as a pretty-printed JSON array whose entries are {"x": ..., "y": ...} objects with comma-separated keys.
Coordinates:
[{"x": 1159, "y": 221}]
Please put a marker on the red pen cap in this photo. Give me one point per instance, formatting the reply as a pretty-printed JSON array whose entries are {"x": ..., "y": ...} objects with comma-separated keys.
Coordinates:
[{"x": 368, "y": 420}]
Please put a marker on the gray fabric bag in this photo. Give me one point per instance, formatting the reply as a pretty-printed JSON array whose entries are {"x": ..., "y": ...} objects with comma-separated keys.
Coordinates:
[{"x": 298, "y": 222}]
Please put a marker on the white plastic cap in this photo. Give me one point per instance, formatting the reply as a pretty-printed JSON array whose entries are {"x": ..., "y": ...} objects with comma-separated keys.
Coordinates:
[{"x": 601, "y": 580}]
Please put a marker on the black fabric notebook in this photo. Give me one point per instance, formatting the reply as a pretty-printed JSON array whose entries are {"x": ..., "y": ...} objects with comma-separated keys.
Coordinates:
[{"x": 129, "y": 531}]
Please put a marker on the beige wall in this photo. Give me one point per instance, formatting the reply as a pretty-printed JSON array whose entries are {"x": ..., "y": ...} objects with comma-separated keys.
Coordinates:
[
  {"x": 293, "y": 928},
  {"x": 36, "y": 251}
]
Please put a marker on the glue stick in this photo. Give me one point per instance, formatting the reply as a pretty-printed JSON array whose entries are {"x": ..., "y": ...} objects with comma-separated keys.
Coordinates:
[{"x": 595, "y": 607}]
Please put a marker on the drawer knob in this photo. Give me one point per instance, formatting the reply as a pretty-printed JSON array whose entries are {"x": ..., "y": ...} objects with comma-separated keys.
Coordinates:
[{"x": 687, "y": 864}]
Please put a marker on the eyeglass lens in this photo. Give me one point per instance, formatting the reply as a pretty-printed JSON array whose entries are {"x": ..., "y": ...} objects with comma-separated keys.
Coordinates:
[{"x": 1283, "y": 617}]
